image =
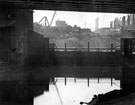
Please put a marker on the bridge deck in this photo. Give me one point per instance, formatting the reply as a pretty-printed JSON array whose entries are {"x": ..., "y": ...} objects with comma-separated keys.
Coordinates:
[{"x": 117, "y": 6}]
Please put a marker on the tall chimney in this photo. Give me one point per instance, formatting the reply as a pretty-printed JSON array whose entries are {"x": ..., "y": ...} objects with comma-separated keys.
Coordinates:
[
  {"x": 123, "y": 21},
  {"x": 128, "y": 20},
  {"x": 96, "y": 23}
]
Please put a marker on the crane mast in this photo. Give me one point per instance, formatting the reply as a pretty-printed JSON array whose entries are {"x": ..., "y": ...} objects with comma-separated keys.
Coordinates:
[
  {"x": 46, "y": 22},
  {"x": 52, "y": 18}
]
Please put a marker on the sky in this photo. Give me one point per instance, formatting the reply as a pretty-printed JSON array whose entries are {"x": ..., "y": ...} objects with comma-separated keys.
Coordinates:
[{"x": 81, "y": 19}]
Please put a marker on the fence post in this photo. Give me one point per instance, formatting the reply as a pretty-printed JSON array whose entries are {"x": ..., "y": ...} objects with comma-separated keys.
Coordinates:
[
  {"x": 112, "y": 47},
  {"x": 111, "y": 81},
  {"x": 88, "y": 46},
  {"x": 98, "y": 49},
  {"x": 65, "y": 81},
  {"x": 75, "y": 80},
  {"x": 98, "y": 79},
  {"x": 88, "y": 82},
  {"x": 65, "y": 47}
]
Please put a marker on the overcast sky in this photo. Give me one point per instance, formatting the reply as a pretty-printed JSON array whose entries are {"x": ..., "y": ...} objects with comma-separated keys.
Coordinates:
[{"x": 81, "y": 19}]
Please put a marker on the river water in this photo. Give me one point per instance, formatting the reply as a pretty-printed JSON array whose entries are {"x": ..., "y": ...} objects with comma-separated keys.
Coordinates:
[{"x": 74, "y": 92}]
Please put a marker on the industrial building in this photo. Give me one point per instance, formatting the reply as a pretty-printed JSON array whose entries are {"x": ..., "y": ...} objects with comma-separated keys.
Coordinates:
[{"x": 61, "y": 24}]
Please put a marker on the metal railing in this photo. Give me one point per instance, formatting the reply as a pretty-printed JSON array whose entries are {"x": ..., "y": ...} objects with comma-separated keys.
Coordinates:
[
  {"x": 83, "y": 49},
  {"x": 87, "y": 49}
]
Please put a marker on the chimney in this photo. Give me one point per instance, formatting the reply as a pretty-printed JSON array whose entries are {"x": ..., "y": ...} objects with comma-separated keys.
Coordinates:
[
  {"x": 128, "y": 20},
  {"x": 123, "y": 21},
  {"x": 96, "y": 23}
]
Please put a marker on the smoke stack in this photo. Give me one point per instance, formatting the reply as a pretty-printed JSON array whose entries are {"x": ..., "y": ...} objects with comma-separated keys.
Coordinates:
[
  {"x": 96, "y": 23},
  {"x": 123, "y": 21},
  {"x": 111, "y": 24},
  {"x": 133, "y": 19},
  {"x": 128, "y": 20}
]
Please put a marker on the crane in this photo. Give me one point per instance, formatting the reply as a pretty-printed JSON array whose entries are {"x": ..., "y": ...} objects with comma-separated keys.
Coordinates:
[
  {"x": 46, "y": 22},
  {"x": 52, "y": 18}
]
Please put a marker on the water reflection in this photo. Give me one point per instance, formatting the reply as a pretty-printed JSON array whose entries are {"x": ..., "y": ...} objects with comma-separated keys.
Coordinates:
[{"x": 75, "y": 91}]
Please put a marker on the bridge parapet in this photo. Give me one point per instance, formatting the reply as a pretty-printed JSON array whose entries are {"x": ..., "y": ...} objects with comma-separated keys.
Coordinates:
[
  {"x": 87, "y": 49},
  {"x": 86, "y": 58}
]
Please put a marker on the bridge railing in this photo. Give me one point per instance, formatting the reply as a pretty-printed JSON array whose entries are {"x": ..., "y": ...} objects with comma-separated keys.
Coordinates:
[
  {"x": 112, "y": 48},
  {"x": 84, "y": 49}
]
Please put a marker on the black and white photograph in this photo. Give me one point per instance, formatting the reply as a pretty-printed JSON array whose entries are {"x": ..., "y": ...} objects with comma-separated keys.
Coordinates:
[{"x": 67, "y": 52}]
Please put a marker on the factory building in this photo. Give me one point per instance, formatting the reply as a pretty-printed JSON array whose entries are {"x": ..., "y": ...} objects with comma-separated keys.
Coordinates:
[{"x": 61, "y": 24}]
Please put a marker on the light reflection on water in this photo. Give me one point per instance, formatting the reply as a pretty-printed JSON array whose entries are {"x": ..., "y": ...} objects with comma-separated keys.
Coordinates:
[{"x": 73, "y": 93}]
